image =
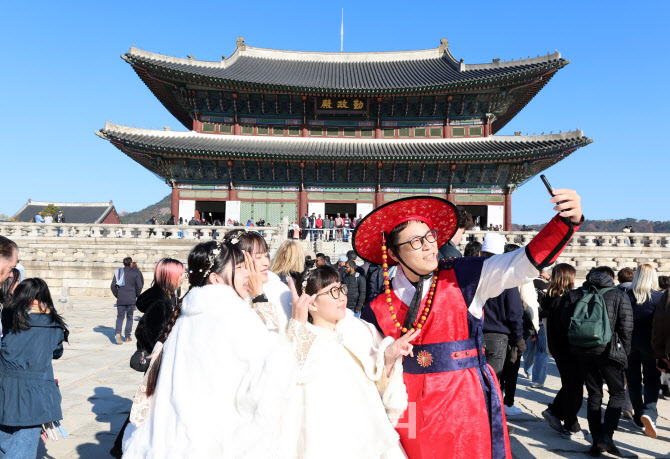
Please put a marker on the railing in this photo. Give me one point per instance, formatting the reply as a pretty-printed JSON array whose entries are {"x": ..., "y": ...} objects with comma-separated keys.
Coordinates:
[
  {"x": 130, "y": 231},
  {"x": 14, "y": 230},
  {"x": 581, "y": 239}
]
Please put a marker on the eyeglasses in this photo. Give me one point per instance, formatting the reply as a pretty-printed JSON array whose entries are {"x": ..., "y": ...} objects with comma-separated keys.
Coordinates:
[
  {"x": 336, "y": 291},
  {"x": 417, "y": 242}
]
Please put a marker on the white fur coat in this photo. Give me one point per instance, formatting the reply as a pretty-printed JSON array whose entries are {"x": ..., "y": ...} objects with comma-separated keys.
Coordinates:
[{"x": 226, "y": 386}]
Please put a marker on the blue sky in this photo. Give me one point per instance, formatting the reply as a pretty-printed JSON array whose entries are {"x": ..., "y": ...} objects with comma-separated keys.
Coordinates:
[{"x": 62, "y": 79}]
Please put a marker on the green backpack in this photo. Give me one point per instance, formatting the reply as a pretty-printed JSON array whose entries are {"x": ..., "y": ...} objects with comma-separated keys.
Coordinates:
[{"x": 590, "y": 323}]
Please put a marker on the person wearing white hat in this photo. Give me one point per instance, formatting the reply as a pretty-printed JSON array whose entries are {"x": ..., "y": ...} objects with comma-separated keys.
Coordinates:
[
  {"x": 494, "y": 243},
  {"x": 340, "y": 265}
]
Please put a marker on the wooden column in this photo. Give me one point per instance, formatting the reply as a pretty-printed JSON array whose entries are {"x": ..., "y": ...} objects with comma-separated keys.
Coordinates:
[
  {"x": 379, "y": 198},
  {"x": 507, "y": 221},
  {"x": 302, "y": 204},
  {"x": 174, "y": 203}
]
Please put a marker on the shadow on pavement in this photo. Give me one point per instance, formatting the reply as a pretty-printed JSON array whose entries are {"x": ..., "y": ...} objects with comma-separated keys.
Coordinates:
[
  {"x": 109, "y": 332},
  {"x": 111, "y": 408}
]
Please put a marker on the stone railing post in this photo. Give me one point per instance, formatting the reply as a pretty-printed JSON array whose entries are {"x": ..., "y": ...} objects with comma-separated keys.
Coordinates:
[
  {"x": 606, "y": 240},
  {"x": 96, "y": 231},
  {"x": 590, "y": 240},
  {"x": 283, "y": 230},
  {"x": 160, "y": 232}
]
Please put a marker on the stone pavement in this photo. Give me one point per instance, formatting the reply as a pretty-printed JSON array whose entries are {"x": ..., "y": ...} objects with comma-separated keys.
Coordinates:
[{"x": 98, "y": 385}]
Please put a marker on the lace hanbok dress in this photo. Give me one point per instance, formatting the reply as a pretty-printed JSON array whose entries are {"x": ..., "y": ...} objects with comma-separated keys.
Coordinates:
[{"x": 349, "y": 406}]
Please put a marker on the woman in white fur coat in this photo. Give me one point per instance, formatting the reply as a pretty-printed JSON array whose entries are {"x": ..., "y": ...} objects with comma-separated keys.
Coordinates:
[
  {"x": 351, "y": 380},
  {"x": 224, "y": 383}
]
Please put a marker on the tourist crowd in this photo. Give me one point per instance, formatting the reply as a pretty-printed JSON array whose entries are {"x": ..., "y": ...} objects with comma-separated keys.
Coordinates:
[{"x": 292, "y": 349}]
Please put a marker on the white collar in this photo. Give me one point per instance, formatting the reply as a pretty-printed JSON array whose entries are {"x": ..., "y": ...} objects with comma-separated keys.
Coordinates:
[{"x": 404, "y": 289}]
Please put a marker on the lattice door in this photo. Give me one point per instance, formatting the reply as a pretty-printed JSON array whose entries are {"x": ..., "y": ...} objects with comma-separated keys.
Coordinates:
[
  {"x": 260, "y": 211},
  {"x": 246, "y": 212}
]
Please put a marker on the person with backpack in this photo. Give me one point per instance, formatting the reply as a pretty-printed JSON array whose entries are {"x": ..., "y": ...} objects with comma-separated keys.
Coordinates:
[
  {"x": 599, "y": 324},
  {"x": 127, "y": 285}
]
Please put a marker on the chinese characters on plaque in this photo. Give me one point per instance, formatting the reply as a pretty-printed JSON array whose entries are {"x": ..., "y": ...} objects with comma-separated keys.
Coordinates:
[{"x": 341, "y": 104}]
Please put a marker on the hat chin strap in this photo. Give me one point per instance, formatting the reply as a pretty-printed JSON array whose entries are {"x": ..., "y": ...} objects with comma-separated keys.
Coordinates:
[
  {"x": 404, "y": 265},
  {"x": 415, "y": 304}
]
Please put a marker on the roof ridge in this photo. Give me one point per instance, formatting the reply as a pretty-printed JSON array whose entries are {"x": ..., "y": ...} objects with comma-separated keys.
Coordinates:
[
  {"x": 243, "y": 50},
  {"x": 496, "y": 64}
]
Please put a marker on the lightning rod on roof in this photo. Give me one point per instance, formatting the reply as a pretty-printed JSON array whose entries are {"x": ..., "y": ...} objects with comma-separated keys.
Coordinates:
[{"x": 342, "y": 33}]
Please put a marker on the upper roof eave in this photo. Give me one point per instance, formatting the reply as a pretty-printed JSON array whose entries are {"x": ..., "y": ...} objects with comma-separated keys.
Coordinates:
[
  {"x": 454, "y": 74},
  {"x": 253, "y": 146}
]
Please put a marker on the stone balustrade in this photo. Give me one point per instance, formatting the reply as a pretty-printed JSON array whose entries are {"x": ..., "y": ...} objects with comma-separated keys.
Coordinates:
[
  {"x": 44, "y": 231},
  {"x": 81, "y": 261}
]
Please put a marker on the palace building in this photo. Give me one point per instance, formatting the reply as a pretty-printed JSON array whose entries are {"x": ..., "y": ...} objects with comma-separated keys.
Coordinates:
[{"x": 273, "y": 133}]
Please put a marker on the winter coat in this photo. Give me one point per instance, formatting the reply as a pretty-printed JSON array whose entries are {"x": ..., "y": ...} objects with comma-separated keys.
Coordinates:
[
  {"x": 660, "y": 333},
  {"x": 618, "y": 309},
  {"x": 643, "y": 316},
  {"x": 127, "y": 295},
  {"x": 504, "y": 314},
  {"x": 157, "y": 307},
  {"x": 557, "y": 336},
  {"x": 449, "y": 250},
  {"x": 29, "y": 394},
  {"x": 355, "y": 291}
]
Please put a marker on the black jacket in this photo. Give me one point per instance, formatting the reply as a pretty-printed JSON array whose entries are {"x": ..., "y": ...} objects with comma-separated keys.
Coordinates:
[
  {"x": 356, "y": 291},
  {"x": 504, "y": 314},
  {"x": 449, "y": 250},
  {"x": 557, "y": 336},
  {"x": 157, "y": 307},
  {"x": 127, "y": 295},
  {"x": 618, "y": 310},
  {"x": 643, "y": 317}
]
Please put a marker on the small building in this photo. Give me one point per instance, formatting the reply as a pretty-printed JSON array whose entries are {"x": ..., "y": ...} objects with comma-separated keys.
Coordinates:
[
  {"x": 274, "y": 133},
  {"x": 73, "y": 212}
]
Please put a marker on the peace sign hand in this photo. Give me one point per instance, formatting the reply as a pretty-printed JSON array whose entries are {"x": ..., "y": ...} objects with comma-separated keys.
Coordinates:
[
  {"x": 400, "y": 347},
  {"x": 300, "y": 303}
]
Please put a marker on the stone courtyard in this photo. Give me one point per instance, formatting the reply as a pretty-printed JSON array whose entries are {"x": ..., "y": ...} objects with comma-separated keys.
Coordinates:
[{"x": 98, "y": 386}]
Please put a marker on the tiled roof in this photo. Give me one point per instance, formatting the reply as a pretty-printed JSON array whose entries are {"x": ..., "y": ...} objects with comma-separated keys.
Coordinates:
[
  {"x": 72, "y": 211},
  {"x": 359, "y": 73},
  {"x": 197, "y": 145}
]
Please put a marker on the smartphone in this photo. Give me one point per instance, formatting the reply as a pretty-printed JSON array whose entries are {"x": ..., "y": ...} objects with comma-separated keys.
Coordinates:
[
  {"x": 550, "y": 189},
  {"x": 547, "y": 184}
]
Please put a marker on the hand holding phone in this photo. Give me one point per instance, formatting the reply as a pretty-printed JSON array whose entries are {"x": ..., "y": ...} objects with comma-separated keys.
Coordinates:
[{"x": 568, "y": 202}]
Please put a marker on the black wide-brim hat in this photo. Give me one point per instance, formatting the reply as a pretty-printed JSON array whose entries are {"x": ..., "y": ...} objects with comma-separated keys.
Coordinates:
[{"x": 438, "y": 213}]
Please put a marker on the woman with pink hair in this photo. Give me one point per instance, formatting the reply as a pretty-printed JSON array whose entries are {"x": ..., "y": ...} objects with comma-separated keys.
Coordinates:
[{"x": 157, "y": 303}]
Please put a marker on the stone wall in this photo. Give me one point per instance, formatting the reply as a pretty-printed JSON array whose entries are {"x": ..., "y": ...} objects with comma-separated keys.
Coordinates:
[{"x": 84, "y": 261}]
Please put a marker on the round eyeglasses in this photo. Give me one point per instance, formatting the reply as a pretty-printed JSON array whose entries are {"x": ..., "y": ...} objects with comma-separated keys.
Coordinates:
[
  {"x": 417, "y": 242},
  {"x": 335, "y": 292}
]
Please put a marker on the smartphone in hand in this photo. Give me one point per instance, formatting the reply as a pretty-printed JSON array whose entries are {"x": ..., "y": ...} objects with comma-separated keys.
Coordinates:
[{"x": 550, "y": 189}]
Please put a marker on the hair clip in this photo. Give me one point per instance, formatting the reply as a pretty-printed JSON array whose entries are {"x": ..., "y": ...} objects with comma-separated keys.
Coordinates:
[{"x": 210, "y": 259}]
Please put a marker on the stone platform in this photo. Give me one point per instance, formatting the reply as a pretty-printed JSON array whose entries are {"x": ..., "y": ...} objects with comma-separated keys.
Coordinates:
[{"x": 98, "y": 386}]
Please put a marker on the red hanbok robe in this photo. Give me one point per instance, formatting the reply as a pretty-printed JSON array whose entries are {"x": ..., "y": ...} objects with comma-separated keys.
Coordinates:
[{"x": 455, "y": 405}]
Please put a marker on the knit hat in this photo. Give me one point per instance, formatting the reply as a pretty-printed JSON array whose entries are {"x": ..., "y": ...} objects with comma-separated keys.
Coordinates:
[{"x": 494, "y": 243}]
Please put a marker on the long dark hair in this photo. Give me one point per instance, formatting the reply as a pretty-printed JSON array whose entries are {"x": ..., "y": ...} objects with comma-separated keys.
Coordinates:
[
  {"x": 17, "y": 314},
  {"x": 562, "y": 280},
  {"x": 202, "y": 261},
  {"x": 8, "y": 285}
]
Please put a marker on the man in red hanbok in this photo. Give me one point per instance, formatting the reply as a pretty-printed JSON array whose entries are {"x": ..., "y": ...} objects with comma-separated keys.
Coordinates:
[{"x": 455, "y": 404}]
